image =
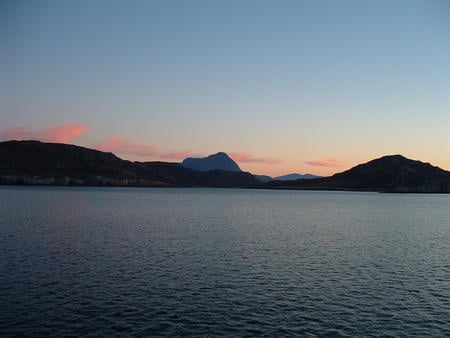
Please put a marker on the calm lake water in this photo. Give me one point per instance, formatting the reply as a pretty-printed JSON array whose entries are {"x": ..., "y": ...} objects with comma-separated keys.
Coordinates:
[{"x": 212, "y": 262}]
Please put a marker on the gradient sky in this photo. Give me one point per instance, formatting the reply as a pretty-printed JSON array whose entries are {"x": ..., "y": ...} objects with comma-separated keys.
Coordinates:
[{"x": 282, "y": 86}]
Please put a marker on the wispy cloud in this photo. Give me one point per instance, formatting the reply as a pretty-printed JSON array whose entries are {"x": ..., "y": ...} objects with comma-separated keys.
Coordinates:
[
  {"x": 328, "y": 162},
  {"x": 118, "y": 145},
  {"x": 247, "y": 158},
  {"x": 64, "y": 133}
]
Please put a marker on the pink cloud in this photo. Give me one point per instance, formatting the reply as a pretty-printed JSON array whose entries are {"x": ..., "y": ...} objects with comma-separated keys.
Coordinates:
[
  {"x": 328, "y": 162},
  {"x": 64, "y": 133},
  {"x": 247, "y": 158},
  {"x": 118, "y": 145}
]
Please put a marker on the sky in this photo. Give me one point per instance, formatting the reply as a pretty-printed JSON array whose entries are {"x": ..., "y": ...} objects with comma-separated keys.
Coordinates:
[{"x": 281, "y": 86}]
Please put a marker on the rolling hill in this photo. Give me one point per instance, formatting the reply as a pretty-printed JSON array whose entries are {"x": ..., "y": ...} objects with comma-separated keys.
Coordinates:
[
  {"x": 34, "y": 162},
  {"x": 394, "y": 173}
]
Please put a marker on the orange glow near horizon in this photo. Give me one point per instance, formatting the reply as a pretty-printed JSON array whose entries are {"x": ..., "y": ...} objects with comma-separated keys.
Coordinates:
[{"x": 257, "y": 163}]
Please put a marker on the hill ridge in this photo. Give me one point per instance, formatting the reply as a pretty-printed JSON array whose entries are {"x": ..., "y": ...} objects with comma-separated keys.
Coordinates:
[
  {"x": 390, "y": 173},
  {"x": 35, "y": 162}
]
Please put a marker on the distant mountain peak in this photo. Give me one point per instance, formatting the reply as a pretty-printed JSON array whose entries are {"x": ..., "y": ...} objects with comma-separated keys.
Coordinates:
[
  {"x": 219, "y": 154},
  {"x": 295, "y": 176},
  {"x": 394, "y": 158},
  {"x": 217, "y": 161}
]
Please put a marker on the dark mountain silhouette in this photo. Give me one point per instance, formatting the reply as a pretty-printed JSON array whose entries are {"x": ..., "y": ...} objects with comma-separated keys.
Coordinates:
[
  {"x": 218, "y": 161},
  {"x": 288, "y": 177},
  {"x": 34, "y": 162},
  {"x": 393, "y": 173},
  {"x": 263, "y": 178},
  {"x": 295, "y": 176}
]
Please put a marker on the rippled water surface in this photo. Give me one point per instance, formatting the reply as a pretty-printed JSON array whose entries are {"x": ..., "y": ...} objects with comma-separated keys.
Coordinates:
[{"x": 209, "y": 262}]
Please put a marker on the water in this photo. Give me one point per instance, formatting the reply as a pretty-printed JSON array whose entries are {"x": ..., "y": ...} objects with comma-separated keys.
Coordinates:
[{"x": 211, "y": 262}]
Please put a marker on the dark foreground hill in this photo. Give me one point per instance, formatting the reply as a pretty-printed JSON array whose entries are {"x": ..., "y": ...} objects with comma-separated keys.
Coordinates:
[
  {"x": 387, "y": 174},
  {"x": 34, "y": 162},
  {"x": 38, "y": 163}
]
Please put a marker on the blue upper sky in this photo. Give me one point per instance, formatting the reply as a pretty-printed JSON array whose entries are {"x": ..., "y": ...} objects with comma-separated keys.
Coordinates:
[{"x": 306, "y": 86}]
